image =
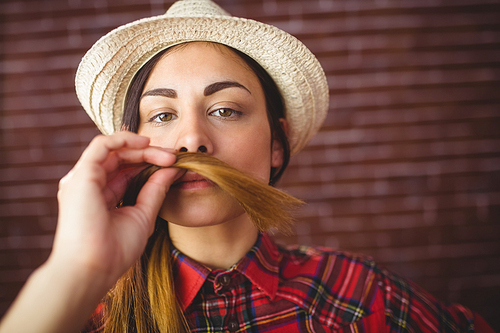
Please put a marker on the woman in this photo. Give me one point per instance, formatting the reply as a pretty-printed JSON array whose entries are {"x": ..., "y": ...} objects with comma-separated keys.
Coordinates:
[{"x": 198, "y": 80}]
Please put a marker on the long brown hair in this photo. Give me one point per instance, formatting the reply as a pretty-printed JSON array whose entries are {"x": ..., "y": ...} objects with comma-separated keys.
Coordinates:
[
  {"x": 143, "y": 300},
  {"x": 267, "y": 207}
]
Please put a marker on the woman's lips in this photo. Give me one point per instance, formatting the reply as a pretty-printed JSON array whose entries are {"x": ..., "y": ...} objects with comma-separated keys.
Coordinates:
[{"x": 192, "y": 181}]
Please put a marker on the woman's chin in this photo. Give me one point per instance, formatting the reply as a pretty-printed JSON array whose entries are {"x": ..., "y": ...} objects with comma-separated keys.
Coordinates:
[{"x": 201, "y": 211}]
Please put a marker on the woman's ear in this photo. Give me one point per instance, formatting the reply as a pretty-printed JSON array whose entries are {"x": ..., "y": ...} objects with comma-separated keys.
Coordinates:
[{"x": 277, "y": 148}]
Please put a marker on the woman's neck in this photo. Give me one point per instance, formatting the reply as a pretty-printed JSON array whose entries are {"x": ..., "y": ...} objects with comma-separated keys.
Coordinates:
[{"x": 217, "y": 247}]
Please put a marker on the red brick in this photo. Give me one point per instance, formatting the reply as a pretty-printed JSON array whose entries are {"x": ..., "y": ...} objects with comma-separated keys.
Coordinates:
[{"x": 406, "y": 168}]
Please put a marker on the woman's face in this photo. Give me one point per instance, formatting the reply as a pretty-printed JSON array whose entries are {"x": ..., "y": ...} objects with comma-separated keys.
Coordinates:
[{"x": 203, "y": 97}]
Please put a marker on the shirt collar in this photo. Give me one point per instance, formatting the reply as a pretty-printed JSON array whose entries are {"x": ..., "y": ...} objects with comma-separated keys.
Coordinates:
[{"x": 260, "y": 265}]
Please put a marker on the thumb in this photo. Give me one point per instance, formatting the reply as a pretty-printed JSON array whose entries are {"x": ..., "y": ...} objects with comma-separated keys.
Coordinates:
[{"x": 152, "y": 195}]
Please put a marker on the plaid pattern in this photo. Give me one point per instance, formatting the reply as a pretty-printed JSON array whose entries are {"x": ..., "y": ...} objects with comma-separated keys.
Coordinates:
[{"x": 307, "y": 289}]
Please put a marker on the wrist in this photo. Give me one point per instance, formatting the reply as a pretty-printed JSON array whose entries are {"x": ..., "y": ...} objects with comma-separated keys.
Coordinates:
[{"x": 72, "y": 274}]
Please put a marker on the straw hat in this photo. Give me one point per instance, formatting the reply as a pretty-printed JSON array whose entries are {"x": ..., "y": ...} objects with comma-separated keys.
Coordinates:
[{"x": 107, "y": 69}]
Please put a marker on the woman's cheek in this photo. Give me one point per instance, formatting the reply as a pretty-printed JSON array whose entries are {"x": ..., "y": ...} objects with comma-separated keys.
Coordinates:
[{"x": 252, "y": 156}]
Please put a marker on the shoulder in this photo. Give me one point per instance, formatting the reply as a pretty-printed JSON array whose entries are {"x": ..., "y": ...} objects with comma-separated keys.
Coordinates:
[
  {"x": 410, "y": 306},
  {"x": 335, "y": 268},
  {"x": 341, "y": 288},
  {"x": 337, "y": 288}
]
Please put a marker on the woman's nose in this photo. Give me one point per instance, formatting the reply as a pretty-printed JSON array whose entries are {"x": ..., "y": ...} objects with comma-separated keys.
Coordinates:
[
  {"x": 201, "y": 149},
  {"x": 194, "y": 136}
]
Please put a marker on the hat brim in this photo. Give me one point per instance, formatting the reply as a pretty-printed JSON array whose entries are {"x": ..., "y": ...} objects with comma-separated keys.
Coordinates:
[{"x": 105, "y": 72}]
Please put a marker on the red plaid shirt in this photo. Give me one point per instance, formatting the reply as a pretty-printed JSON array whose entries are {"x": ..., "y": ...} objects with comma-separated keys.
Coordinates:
[{"x": 306, "y": 289}]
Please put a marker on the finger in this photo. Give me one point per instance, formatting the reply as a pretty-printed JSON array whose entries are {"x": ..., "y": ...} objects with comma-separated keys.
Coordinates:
[
  {"x": 115, "y": 189},
  {"x": 153, "y": 155},
  {"x": 152, "y": 194},
  {"x": 101, "y": 146},
  {"x": 123, "y": 158}
]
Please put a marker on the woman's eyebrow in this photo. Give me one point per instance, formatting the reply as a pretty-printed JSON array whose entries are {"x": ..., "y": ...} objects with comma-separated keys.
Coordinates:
[
  {"x": 165, "y": 92},
  {"x": 209, "y": 90},
  {"x": 217, "y": 86}
]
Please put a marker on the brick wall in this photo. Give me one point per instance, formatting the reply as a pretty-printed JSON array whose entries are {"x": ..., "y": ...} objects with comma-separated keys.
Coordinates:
[{"x": 406, "y": 168}]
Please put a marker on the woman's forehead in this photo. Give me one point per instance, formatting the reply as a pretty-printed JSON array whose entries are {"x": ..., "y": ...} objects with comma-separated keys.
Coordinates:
[
  {"x": 203, "y": 51},
  {"x": 224, "y": 49},
  {"x": 203, "y": 61}
]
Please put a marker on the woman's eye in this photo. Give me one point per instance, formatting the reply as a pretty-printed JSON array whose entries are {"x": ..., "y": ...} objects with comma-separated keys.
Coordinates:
[
  {"x": 224, "y": 113},
  {"x": 163, "y": 118}
]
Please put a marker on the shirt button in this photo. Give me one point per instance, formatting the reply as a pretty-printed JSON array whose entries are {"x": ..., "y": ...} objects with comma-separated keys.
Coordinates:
[
  {"x": 232, "y": 325},
  {"x": 224, "y": 280}
]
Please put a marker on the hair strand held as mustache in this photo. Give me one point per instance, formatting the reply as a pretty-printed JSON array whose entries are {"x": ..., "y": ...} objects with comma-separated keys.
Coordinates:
[{"x": 266, "y": 206}]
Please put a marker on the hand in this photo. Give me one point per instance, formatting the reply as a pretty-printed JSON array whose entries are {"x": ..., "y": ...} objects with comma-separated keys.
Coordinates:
[
  {"x": 92, "y": 234},
  {"x": 95, "y": 242}
]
